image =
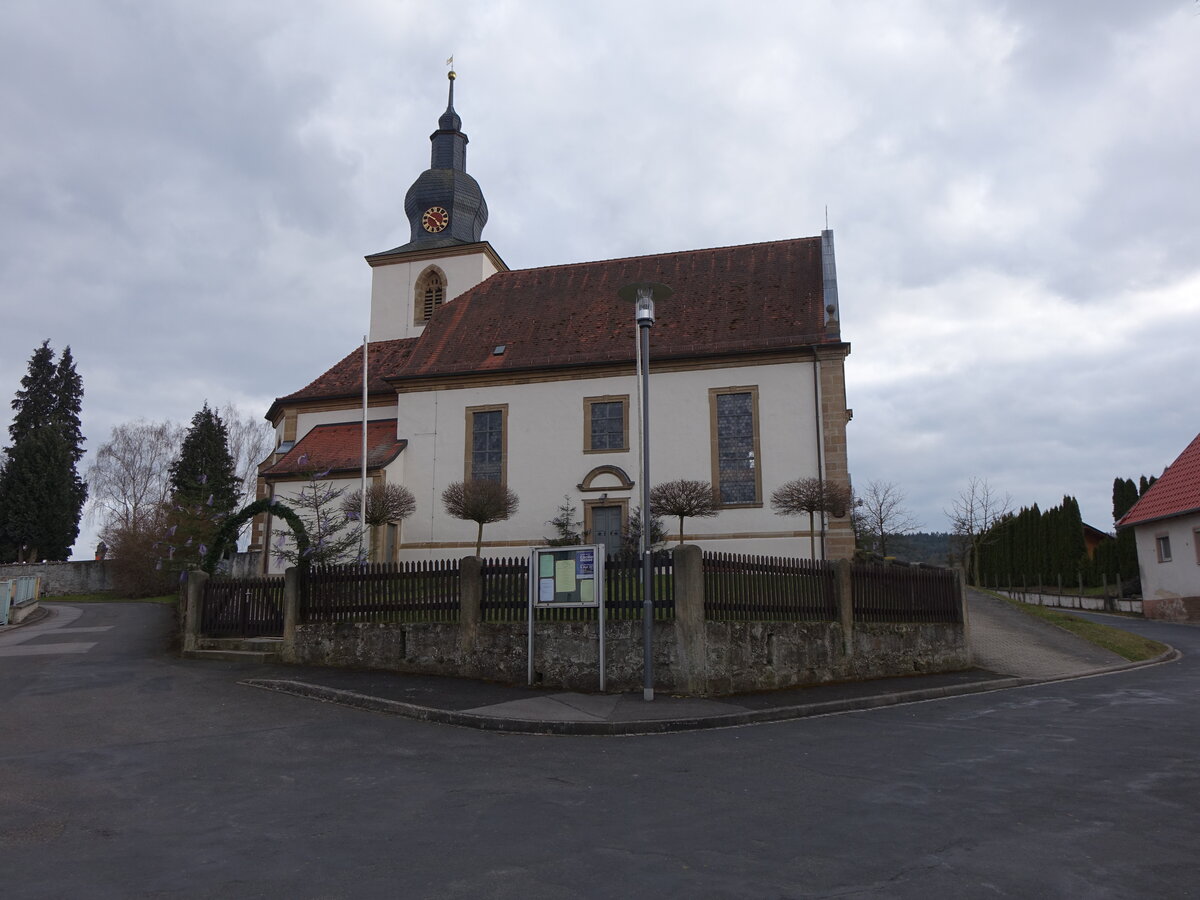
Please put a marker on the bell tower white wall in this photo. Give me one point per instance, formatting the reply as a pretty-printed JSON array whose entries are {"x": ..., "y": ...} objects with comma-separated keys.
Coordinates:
[{"x": 394, "y": 278}]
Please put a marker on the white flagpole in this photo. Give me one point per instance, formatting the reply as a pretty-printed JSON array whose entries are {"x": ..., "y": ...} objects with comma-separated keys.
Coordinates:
[{"x": 362, "y": 510}]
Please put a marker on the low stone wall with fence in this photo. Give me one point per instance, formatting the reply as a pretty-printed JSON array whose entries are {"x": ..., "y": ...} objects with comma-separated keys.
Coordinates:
[
  {"x": 722, "y": 624},
  {"x": 1073, "y": 601}
]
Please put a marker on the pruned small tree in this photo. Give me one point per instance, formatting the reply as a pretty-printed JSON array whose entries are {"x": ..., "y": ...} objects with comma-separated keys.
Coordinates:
[
  {"x": 479, "y": 501},
  {"x": 813, "y": 496},
  {"x": 386, "y": 503},
  {"x": 681, "y": 499}
]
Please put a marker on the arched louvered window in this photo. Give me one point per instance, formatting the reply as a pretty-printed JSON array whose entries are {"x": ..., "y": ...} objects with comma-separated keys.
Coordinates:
[{"x": 430, "y": 293}]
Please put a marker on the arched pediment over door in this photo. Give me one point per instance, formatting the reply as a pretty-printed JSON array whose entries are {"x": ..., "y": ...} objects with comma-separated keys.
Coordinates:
[{"x": 606, "y": 478}]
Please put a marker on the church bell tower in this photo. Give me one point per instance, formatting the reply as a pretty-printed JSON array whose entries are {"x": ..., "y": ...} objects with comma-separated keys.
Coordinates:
[{"x": 445, "y": 254}]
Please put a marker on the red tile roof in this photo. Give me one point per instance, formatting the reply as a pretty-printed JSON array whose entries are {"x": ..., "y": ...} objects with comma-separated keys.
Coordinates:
[
  {"x": 344, "y": 380},
  {"x": 1176, "y": 493},
  {"x": 726, "y": 300},
  {"x": 338, "y": 448}
]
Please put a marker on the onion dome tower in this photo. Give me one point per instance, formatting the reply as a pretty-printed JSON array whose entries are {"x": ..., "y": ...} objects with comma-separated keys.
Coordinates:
[{"x": 445, "y": 205}]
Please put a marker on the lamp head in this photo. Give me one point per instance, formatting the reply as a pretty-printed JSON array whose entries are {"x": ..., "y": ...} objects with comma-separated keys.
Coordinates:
[{"x": 643, "y": 294}]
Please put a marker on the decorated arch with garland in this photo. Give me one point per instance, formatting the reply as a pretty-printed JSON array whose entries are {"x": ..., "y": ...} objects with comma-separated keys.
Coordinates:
[{"x": 227, "y": 533}]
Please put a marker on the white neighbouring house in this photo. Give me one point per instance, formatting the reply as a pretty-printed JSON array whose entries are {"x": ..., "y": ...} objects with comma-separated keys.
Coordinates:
[
  {"x": 528, "y": 377},
  {"x": 1166, "y": 527}
]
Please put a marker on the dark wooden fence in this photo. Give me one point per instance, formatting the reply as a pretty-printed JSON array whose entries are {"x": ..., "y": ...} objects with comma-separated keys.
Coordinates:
[
  {"x": 905, "y": 594},
  {"x": 242, "y": 607},
  {"x": 736, "y": 587},
  {"x": 506, "y": 591},
  {"x": 417, "y": 591},
  {"x": 768, "y": 588}
]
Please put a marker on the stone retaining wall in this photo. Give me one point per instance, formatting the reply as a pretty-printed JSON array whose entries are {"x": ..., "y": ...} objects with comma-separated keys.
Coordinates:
[
  {"x": 58, "y": 578},
  {"x": 739, "y": 656}
]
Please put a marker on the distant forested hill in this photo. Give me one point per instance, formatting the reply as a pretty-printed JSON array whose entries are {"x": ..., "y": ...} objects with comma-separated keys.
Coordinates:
[{"x": 921, "y": 547}]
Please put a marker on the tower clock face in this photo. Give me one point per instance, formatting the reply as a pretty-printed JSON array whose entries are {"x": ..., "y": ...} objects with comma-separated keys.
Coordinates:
[{"x": 435, "y": 219}]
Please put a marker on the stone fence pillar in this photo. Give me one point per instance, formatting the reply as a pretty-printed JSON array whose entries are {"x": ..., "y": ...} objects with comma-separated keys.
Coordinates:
[
  {"x": 291, "y": 612},
  {"x": 690, "y": 631},
  {"x": 196, "y": 580},
  {"x": 966, "y": 618},
  {"x": 843, "y": 572},
  {"x": 470, "y": 605}
]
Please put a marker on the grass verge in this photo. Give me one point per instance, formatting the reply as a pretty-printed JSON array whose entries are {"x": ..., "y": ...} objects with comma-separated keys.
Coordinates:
[
  {"x": 109, "y": 598},
  {"x": 1132, "y": 647}
]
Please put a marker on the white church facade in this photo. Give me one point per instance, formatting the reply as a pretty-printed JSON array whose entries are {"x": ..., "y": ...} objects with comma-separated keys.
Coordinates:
[{"x": 527, "y": 377}]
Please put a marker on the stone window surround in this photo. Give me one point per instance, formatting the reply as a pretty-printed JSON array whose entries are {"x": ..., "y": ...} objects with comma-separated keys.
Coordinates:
[
  {"x": 714, "y": 448},
  {"x": 432, "y": 278},
  {"x": 468, "y": 441},
  {"x": 623, "y": 399}
]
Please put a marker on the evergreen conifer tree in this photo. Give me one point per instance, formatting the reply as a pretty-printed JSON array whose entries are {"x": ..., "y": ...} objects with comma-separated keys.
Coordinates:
[
  {"x": 41, "y": 493},
  {"x": 35, "y": 401},
  {"x": 204, "y": 488},
  {"x": 67, "y": 404},
  {"x": 1125, "y": 494}
]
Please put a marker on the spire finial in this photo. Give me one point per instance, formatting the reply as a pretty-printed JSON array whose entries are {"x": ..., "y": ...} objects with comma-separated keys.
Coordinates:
[{"x": 451, "y": 76}]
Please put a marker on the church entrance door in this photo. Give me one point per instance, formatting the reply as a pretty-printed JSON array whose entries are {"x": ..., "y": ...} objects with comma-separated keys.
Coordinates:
[{"x": 606, "y": 528}]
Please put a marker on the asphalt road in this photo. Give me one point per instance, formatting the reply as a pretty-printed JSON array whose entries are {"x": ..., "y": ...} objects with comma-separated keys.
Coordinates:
[{"x": 126, "y": 773}]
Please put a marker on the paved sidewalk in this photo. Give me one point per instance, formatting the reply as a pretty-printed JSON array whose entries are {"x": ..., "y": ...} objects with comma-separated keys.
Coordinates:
[{"x": 1011, "y": 649}]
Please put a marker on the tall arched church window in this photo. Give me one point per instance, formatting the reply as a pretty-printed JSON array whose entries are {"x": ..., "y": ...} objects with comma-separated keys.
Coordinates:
[{"x": 430, "y": 293}]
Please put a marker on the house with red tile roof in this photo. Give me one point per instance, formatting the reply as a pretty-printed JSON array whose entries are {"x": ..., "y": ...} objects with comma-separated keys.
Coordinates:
[
  {"x": 1166, "y": 525},
  {"x": 473, "y": 370}
]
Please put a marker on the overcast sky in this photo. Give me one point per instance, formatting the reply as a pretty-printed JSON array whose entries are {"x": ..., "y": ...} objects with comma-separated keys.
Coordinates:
[{"x": 188, "y": 189}]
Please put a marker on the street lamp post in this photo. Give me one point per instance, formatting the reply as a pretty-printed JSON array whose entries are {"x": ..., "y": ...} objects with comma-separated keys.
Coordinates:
[{"x": 643, "y": 294}]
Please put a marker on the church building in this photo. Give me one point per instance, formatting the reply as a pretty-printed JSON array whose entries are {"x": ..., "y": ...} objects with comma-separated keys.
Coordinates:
[{"x": 528, "y": 377}]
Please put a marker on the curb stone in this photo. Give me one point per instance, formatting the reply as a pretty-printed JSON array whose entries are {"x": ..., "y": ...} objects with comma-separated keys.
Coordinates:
[
  {"x": 670, "y": 726},
  {"x": 36, "y": 616}
]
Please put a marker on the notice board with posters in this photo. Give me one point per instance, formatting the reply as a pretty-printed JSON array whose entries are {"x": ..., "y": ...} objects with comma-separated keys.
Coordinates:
[{"x": 565, "y": 577}]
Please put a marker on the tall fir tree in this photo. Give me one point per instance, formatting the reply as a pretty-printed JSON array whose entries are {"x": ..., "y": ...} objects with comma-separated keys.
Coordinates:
[
  {"x": 68, "y": 403},
  {"x": 35, "y": 401},
  {"x": 204, "y": 489},
  {"x": 41, "y": 492}
]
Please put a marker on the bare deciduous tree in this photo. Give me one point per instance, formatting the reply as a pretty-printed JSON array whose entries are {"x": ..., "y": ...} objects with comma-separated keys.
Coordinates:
[
  {"x": 813, "y": 496},
  {"x": 479, "y": 501},
  {"x": 129, "y": 478},
  {"x": 683, "y": 498},
  {"x": 972, "y": 514},
  {"x": 250, "y": 438},
  {"x": 881, "y": 514}
]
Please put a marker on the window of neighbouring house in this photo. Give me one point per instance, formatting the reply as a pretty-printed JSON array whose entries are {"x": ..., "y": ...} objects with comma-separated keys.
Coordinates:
[
  {"x": 605, "y": 424},
  {"x": 486, "y": 444},
  {"x": 1162, "y": 546},
  {"x": 735, "y": 448},
  {"x": 429, "y": 294}
]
